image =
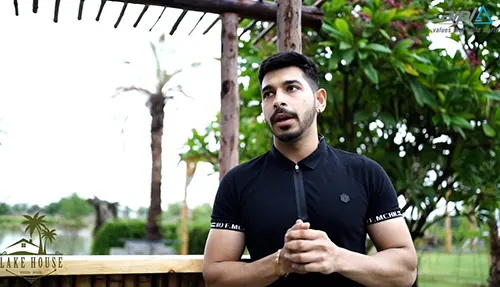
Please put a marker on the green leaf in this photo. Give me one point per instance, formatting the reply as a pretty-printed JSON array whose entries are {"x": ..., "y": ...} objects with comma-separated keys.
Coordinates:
[
  {"x": 493, "y": 95},
  {"x": 420, "y": 58},
  {"x": 460, "y": 122},
  {"x": 424, "y": 69},
  {"x": 384, "y": 33},
  {"x": 407, "y": 13},
  {"x": 475, "y": 75},
  {"x": 446, "y": 119},
  {"x": 348, "y": 56},
  {"x": 334, "y": 33},
  {"x": 336, "y": 5},
  {"x": 388, "y": 16},
  {"x": 441, "y": 96},
  {"x": 497, "y": 116},
  {"x": 403, "y": 45},
  {"x": 422, "y": 96},
  {"x": 344, "y": 46},
  {"x": 327, "y": 43},
  {"x": 489, "y": 131},
  {"x": 367, "y": 11},
  {"x": 370, "y": 72},
  {"x": 455, "y": 37},
  {"x": 378, "y": 48},
  {"x": 383, "y": 18},
  {"x": 410, "y": 70},
  {"x": 467, "y": 116},
  {"x": 398, "y": 64},
  {"x": 362, "y": 55},
  {"x": 461, "y": 131},
  {"x": 362, "y": 115},
  {"x": 343, "y": 27}
]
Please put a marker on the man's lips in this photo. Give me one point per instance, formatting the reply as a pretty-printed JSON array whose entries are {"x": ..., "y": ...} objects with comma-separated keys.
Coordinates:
[{"x": 282, "y": 117}]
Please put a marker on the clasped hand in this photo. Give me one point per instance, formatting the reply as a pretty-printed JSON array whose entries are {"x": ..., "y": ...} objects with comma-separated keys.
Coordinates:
[{"x": 308, "y": 250}]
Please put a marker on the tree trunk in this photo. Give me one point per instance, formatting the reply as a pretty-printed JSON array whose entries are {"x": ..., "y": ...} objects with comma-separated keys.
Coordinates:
[
  {"x": 494, "y": 254},
  {"x": 156, "y": 105},
  {"x": 289, "y": 25},
  {"x": 230, "y": 99},
  {"x": 473, "y": 227},
  {"x": 190, "y": 170}
]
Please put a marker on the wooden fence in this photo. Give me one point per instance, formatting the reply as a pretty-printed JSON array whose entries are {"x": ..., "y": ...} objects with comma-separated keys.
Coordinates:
[{"x": 113, "y": 271}]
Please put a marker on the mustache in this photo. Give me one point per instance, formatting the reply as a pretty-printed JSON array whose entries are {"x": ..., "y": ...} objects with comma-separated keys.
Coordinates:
[{"x": 282, "y": 110}]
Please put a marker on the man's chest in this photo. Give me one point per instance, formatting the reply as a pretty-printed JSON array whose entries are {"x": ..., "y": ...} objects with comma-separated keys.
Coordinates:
[{"x": 336, "y": 204}]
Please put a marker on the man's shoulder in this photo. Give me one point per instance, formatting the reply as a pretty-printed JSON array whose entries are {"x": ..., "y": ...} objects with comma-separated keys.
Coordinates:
[
  {"x": 248, "y": 168},
  {"x": 357, "y": 164}
]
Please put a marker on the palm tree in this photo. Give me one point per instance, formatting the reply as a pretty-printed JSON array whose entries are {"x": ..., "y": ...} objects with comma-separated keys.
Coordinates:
[
  {"x": 48, "y": 235},
  {"x": 36, "y": 223},
  {"x": 191, "y": 165},
  {"x": 156, "y": 101}
]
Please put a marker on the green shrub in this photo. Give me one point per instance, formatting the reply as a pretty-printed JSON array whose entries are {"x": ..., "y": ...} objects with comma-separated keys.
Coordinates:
[
  {"x": 112, "y": 233},
  {"x": 198, "y": 233}
]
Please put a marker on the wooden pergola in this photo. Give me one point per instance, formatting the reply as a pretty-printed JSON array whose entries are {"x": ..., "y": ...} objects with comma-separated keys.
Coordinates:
[{"x": 287, "y": 15}]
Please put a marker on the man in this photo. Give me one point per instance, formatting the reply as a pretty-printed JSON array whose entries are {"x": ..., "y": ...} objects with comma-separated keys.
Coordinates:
[{"x": 303, "y": 209}]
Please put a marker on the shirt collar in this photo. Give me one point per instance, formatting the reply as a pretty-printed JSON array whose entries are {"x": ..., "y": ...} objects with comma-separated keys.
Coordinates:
[{"x": 310, "y": 161}]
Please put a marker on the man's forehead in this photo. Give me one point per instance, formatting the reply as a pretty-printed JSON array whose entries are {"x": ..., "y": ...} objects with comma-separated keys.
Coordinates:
[{"x": 278, "y": 77}]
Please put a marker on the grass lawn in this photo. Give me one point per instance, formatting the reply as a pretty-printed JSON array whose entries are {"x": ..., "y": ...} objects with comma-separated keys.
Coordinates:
[{"x": 458, "y": 270}]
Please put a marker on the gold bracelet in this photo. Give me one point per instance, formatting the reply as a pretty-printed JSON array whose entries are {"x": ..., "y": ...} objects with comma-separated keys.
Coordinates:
[{"x": 277, "y": 264}]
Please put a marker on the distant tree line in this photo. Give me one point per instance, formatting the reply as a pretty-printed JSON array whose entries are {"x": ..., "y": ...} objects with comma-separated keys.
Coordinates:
[{"x": 68, "y": 207}]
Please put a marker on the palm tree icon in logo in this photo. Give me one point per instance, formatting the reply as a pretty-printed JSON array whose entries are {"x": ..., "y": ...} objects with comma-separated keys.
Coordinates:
[{"x": 35, "y": 223}]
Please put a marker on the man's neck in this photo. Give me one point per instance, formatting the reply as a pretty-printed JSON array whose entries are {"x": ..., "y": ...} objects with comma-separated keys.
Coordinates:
[{"x": 300, "y": 148}]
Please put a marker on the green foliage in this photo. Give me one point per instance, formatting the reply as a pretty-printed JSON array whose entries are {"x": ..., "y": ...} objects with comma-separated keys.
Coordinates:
[
  {"x": 4, "y": 209},
  {"x": 113, "y": 233},
  {"x": 74, "y": 208},
  {"x": 429, "y": 118}
]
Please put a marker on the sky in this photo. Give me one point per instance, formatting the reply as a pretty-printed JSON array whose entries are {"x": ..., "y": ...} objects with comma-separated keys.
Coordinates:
[{"x": 62, "y": 126}]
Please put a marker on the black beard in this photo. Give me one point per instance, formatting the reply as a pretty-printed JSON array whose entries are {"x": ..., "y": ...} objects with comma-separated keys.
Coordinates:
[{"x": 303, "y": 126}]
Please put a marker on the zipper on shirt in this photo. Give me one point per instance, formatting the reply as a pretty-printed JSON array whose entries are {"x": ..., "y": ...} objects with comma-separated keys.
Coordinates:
[{"x": 300, "y": 195}]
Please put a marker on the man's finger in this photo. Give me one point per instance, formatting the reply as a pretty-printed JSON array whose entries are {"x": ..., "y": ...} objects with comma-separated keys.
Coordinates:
[
  {"x": 296, "y": 246},
  {"x": 300, "y": 225},
  {"x": 304, "y": 257},
  {"x": 303, "y": 234},
  {"x": 310, "y": 267}
]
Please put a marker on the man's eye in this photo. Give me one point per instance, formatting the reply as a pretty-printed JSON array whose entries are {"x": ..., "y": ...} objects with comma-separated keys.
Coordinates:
[
  {"x": 292, "y": 88},
  {"x": 267, "y": 94}
]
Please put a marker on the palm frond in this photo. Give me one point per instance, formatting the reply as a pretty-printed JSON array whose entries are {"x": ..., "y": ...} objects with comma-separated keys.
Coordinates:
[{"x": 121, "y": 90}]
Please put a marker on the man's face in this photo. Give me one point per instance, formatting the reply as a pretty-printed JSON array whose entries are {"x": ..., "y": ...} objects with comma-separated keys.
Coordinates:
[{"x": 288, "y": 103}]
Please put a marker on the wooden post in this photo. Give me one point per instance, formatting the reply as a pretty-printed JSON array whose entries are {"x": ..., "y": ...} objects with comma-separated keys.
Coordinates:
[
  {"x": 289, "y": 25},
  {"x": 230, "y": 99}
]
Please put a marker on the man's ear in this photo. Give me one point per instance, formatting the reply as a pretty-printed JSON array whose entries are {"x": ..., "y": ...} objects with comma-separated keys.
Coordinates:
[{"x": 321, "y": 99}]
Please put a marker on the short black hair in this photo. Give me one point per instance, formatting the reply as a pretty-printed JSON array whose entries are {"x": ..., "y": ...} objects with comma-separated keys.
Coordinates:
[{"x": 290, "y": 59}]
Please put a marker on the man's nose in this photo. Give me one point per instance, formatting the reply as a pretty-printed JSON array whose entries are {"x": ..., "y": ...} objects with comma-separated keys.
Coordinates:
[{"x": 279, "y": 100}]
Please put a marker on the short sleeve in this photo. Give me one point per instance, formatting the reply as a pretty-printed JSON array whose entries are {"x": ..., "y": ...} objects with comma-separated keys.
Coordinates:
[
  {"x": 383, "y": 201},
  {"x": 226, "y": 210}
]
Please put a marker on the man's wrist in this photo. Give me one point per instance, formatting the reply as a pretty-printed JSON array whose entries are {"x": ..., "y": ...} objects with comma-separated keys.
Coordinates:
[
  {"x": 279, "y": 264},
  {"x": 341, "y": 261}
]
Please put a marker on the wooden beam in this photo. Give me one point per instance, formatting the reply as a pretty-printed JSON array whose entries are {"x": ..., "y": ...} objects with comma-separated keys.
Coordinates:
[
  {"x": 289, "y": 25},
  {"x": 312, "y": 17},
  {"x": 230, "y": 98}
]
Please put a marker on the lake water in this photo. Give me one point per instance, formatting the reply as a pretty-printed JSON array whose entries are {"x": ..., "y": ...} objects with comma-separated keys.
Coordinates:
[{"x": 67, "y": 242}]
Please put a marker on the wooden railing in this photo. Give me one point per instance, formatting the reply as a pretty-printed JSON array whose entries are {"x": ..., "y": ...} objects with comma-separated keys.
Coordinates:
[{"x": 87, "y": 271}]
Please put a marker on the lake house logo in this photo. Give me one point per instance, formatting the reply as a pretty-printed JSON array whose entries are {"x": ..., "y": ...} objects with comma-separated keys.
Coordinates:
[{"x": 28, "y": 257}]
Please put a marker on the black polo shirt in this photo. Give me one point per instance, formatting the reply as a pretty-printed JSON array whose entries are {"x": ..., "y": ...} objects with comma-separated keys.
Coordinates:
[{"x": 344, "y": 192}]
